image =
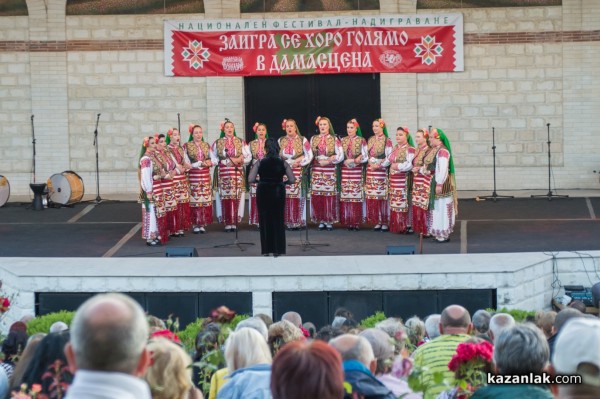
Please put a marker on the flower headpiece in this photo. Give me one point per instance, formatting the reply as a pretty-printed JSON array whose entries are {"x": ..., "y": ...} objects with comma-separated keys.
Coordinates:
[
  {"x": 283, "y": 123},
  {"x": 382, "y": 125},
  {"x": 434, "y": 133},
  {"x": 170, "y": 132},
  {"x": 317, "y": 120},
  {"x": 425, "y": 132},
  {"x": 223, "y": 123},
  {"x": 156, "y": 137},
  {"x": 146, "y": 142},
  {"x": 255, "y": 127},
  {"x": 191, "y": 128},
  {"x": 355, "y": 123}
]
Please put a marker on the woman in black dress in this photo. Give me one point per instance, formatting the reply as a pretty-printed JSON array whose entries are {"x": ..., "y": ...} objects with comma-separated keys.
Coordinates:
[{"x": 270, "y": 198}]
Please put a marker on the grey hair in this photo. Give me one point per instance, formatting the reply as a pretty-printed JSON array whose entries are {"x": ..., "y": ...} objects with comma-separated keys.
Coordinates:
[
  {"x": 255, "y": 323},
  {"x": 293, "y": 317},
  {"x": 109, "y": 344},
  {"x": 391, "y": 326},
  {"x": 481, "y": 321},
  {"x": 415, "y": 329},
  {"x": 383, "y": 349},
  {"x": 432, "y": 325},
  {"x": 244, "y": 348},
  {"x": 58, "y": 326},
  {"x": 522, "y": 349},
  {"x": 500, "y": 322},
  {"x": 354, "y": 347}
]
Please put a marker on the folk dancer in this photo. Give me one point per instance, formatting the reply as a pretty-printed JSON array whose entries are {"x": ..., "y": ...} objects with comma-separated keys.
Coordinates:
[
  {"x": 421, "y": 191},
  {"x": 328, "y": 153},
  {"x": 170, "y": 166},
  {"x": 401, "y": 163},
  {"x": 352, "y": 196},
  {"x": 181, "y": 184},
  {"x": 201, "y": 195},
  {"x": 376, "y": 183},
  {"x": 257, "y": 148},
  {"x": 295, "y": 150},
  {"x": 233, "y": 154},
  {"x": 148, "y": 169}
]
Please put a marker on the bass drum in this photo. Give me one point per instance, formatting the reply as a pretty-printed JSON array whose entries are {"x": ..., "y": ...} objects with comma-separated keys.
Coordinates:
[
  {"x": 4, "y": 190},
  {"x": 65, "y": 188}
]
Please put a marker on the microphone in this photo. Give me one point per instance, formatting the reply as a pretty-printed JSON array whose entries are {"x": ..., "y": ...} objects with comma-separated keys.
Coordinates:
[{"x": 99, "y": 115}]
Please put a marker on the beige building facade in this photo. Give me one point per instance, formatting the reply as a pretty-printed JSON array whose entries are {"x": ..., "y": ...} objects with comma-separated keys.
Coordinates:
[{"x": 524, "y": 68}]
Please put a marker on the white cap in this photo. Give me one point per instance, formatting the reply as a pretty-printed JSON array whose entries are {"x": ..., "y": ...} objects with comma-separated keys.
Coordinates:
[{"x": 578, "y": 342}]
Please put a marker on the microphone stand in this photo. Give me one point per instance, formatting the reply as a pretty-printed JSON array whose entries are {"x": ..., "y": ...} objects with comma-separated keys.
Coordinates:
[
  {"x": 238, "y": 196},
  {"x": 98, "y": 198},
  {"x": 549, "y": 195},
  {"x": 179, "y": 123},
  {"x": 495, "y": 196},
  {"x": 38, "y": 189}
]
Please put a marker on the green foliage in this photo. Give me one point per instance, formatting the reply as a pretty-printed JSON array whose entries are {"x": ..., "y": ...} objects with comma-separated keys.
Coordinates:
[
  {"x": 519, "y": 314},
  {"x": 188, "y": 335},
  {"x": 41, "y": 324},
  {"x": 370, "y": 321}
]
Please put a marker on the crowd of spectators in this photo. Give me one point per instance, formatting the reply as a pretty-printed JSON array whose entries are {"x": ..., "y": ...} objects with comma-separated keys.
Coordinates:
[{"x": 113, "y": 350}]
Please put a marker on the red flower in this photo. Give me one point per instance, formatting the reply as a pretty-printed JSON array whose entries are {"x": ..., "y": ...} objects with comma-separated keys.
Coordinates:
[
  {"x": 222, "y": 314},
  {"x": 467, "y": 352},
  {"x": 255, "y": 127},
  {"x": 283, "y": 124},
  {"x": 168, "y": 334},
  {"x": 191, "y": 127},
  {"x": 4, "y": 304}
]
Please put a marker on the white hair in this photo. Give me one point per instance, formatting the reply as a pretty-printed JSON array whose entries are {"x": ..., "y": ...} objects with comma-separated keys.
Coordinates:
[{"x": 244, "y": 348}]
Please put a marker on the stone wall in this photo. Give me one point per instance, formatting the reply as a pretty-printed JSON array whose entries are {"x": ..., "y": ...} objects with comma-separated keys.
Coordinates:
[
  {"x": 522, "y": 280},
  {"x": 524, "y": 68}
]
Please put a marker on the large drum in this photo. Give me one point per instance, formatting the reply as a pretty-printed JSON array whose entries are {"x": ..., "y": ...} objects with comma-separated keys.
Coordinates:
[
  {"x": 4, "y": 190},
  {"x": 65, "y": 188}
]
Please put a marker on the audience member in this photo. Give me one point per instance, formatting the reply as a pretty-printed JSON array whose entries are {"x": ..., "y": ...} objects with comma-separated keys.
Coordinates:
[
  {"x": 169, "y": 375},
  {"x": 577, "y": 351},
  {"x": 3, "y": 383},
  {"x": 293, "y": 317},
  {"x": 49, "y": 355},
  {"x": 481, "y": 324},
  {"x": 307, "y": 370},
  {"x": 249, "y": 361},
  {"x": 207, "y": 341},
  {"x": 281, "y": 333},
  {"x": 338, "y": 322},
  {"x": 383, "y": 350},
  {"x": 393, "y": 327},
  {"x": 265, "y": 318},
  {"x": 327, "y": 333},
  {"x": 108, "y": 349},
  {"x": 58, "y": 326},
  {"x": 455, "y": 327},
  {"x": 415, "y": 329},
  {"x": 359, "y": 363},
  {"x": 546, "y": 322},
  {"x": 17, "y": 376},
  {"x": 519, "y": 350},
  {"x": 560, "y": 320},
  {"x": 432, "y": 326},
  {"x": 578, "y": 305},
  {"x": 13, "y": 346},
  {"x": 311, "y": 328},
  {"x": 343, "y": 312},
  {"x": 155, "y": 324},
  {"x": 498, "y": 323}
]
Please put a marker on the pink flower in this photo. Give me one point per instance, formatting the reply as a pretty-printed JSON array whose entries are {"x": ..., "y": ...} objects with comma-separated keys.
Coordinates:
[
  {"x": 283, "y": 124},
  {"x": 4, "y": 304}
]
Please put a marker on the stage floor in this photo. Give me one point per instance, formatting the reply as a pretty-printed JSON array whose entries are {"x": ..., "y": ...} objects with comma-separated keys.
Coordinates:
[{"x": 112, "y": 229}]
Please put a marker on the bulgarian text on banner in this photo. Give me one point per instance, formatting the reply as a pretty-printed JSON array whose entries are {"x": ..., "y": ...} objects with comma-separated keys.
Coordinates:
[{"x": 273, "y": 47}]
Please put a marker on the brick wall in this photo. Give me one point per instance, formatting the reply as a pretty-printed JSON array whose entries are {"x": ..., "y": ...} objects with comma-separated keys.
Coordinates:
[{"x": 524, "y": 68}]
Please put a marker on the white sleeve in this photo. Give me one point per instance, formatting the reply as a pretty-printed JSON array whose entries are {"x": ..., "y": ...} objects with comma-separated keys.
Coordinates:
[
  {"x": 308, "y": 154},
  {"x": 388, "y": 150},
  {"x": 146, "y": 174},
  {"x": 441, "y": 166},
  {"x": 339, "y": 151},
  {"x": 246, "y": 153}
]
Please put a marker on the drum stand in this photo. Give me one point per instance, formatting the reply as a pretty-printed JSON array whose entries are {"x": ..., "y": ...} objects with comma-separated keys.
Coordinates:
[
  {"x": 549, "y": 195},
  {"x": 98, "y": 198},
  {"x": 495, "y": 196},
  {"x": 37, "y": 188},
  {"x": 236, "y": 242}
]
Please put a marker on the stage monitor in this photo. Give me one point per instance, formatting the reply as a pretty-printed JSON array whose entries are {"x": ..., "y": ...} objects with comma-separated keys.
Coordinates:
[
  {"x": 400, "y": 250},
  {"x": 181, "y": 252}
]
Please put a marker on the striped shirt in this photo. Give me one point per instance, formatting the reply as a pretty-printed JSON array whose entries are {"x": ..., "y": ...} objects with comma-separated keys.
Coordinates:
[{"x": 435, "y": 355}]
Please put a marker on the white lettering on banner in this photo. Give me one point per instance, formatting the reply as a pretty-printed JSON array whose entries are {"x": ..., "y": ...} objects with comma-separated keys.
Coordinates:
[
  {"x": 324, "y": 61},
  {"x": 247, "y": 42},
  {"x": 293, "y": 40},
  {"x": 260, "y": 63},
  {"x": 323, "y": 39},
  {"x": 377, "y": 38}
]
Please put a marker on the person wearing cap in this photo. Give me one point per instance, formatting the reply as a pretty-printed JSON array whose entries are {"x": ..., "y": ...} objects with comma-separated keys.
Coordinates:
[
  {"x": 352, "y": 194},
  {"x": 577, "y": 352},
  {"x": 421, "y": 188},
  {"x": 201, "y": 197},
  {"x": 257, "y": 148},
  {"x": 401, "y": 159},
  {"x": 445, "y": 208},
  {"x": 181, "y": 185},
  {"x": 296, "y": 151},
  {"x": 328, "y": 152},
  {"x": 233, "y": 154},
  {"x": 376, "y": 184}
]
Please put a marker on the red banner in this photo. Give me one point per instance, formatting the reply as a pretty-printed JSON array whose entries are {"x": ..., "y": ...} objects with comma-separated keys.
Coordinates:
[{"x": 419, "y": 43}]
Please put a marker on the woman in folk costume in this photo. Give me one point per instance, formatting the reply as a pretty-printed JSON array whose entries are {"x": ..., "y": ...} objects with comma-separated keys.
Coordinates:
[
  {"x": 170, "y": 166},
  {"x": 352, "y": 195},
  {"x": 181, "y": 186},
  {"x": 401, "y": 160},
  {"x": 201, "y": 196},
  {"x": 328, "y": 152},
  {"x": 257, "y": 148},
  {"x": 149, "y": 191},
  {"x": 376, "y": 183},
  {"x": 421, "y": 191},
  {"x": 296, "y": 151},
  {"x": 233, "y": 154},
  {"x": 444, "y": 211}
]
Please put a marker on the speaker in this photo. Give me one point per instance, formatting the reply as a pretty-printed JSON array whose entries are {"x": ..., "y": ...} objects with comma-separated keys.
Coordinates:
[
  {"x": 181, "y": 252},
  {"x": 401, "y": 250}
]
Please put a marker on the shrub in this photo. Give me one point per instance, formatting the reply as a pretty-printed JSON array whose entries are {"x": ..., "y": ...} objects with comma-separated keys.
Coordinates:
[
  {"x": 370, "y": 321},
  {"x": 41, "y": 324}
]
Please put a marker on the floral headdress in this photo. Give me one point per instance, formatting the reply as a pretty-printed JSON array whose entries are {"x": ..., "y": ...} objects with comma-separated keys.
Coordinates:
[
  {"x": 223, "y": 123},
  {"x": 191, "y": 130},
  {"x": 255, "y": 128},
  {"x": 383, "y": 126},
  {"x": 408, "y": 136},
  {"x": 170, "y": 134},
  {"x": 285, "y": 121},
  {"x": 145, "y": 145},
  {"x": 355, "y": 123}
]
